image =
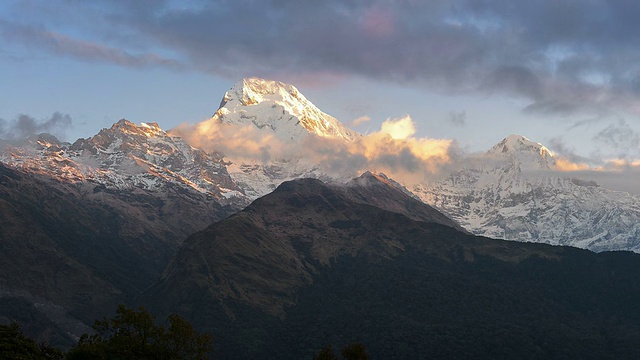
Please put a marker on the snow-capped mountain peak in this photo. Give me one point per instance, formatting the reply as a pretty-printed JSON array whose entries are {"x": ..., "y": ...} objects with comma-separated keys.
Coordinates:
[
  {"x": 525, "y": 152},
  {"x": 515, "y": 192},
  {"x": 126, "y": 157},
  {"x": 279, "y": 109},
  {"x": 252, "y": 91},
  {"x": 148, "y": 129}
]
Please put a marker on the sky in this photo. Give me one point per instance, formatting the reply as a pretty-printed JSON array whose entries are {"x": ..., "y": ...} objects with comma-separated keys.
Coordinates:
[{"x": 563, "y": 73}]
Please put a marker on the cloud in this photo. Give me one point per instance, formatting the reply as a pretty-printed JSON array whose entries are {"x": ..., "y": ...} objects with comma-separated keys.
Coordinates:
[
  {"x": 457, "y": 118},
  {"x": 393, "y": 149},
  {"x": 401, "y": 128},
  {"x": 565, "y": 152},
  {"x": 361, "y": 120},
  {"x": 616, "y": 173},
  {"x": 560, "y": 57},
  {"x": 244, "y": 143},
  {"x": 24, "y": 125},
  {"x": 620, "y": 136},
  {"x": 566, "y": 165},
  {"x": 84, "y": 50}
]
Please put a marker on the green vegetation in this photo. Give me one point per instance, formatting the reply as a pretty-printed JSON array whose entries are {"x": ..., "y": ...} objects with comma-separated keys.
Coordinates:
[
  {"x": 14, "y": 344},
  {"x": 354, "y": 351},
  {"x": 133, "y": 334},
  {"x": 326, "y": 353}
]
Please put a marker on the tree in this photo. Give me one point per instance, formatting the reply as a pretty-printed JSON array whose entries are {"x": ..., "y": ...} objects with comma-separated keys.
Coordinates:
[
  {"x": 326, "y": 353},
  {"x": 183, "y": 342},
  {"x": 133, "y": 334},
  {"x": 355, "y": 351},
  {"x": 14, "y": 344}
]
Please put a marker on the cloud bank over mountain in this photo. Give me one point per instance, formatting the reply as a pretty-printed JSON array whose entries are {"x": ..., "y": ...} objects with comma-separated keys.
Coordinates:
[
  {"x": 560, "y": 58},
  {"x": 392, "y": 149},
  {"x": 24, "y": 125}
]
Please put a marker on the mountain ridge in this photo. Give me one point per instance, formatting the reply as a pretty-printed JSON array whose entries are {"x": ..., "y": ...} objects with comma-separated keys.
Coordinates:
[
  {"x": 514, "y": 191},
  {"x": 125, "y": 157},
  {"x": 306, "y": 265}
]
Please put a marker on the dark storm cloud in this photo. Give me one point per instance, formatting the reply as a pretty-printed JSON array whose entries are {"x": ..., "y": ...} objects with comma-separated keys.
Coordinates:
[
  {"x": 561, "y": 56},
  {"x": 24, "y": 125}
]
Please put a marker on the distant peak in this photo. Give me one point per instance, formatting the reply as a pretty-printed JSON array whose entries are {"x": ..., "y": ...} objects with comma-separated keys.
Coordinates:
[
  {"x": 123, "y": 122},
  {"x": 279, "y": 108},
  {"x": 368, "y": 178},
  {"x": 44, "y": 137},
  {"x": 253, "y": 90},
  {"x": 518, "y": 143},
  {"x": 263, "y": 85},
  {"x": 523, "y": 149},
  {"x": 147, "y": 129},
  {"x": 257, "y": 83}
]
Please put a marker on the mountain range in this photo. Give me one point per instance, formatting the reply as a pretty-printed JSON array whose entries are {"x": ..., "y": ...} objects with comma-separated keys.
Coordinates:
[
  {"x": 314, "y": 263},
  {"x": 231, "y": 223},
  {"x": 514, "y": 191}
]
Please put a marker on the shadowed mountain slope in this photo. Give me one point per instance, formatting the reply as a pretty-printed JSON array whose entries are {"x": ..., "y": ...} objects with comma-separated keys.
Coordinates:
[
  {"x": 312, "y": 264},
  {"x": 75, "y": 250}
]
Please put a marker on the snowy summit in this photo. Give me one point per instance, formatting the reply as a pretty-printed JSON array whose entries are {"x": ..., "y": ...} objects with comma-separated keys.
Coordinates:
[
  {"x": 523, "y": 151},
  {"x": 277, "y": 108}
]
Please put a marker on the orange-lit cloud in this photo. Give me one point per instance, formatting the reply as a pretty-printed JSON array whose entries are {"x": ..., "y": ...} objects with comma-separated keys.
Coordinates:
[
  {"x": 563, "y": 164},
  {"x": 609, "y": 165},
  {"x": 620, "y": 165},
  {"x": 400, "y": 128},
  {"x": 237, "y": 142},
  {"x": 393, "y": 149},
  {"x": 360, "y": 120}
]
